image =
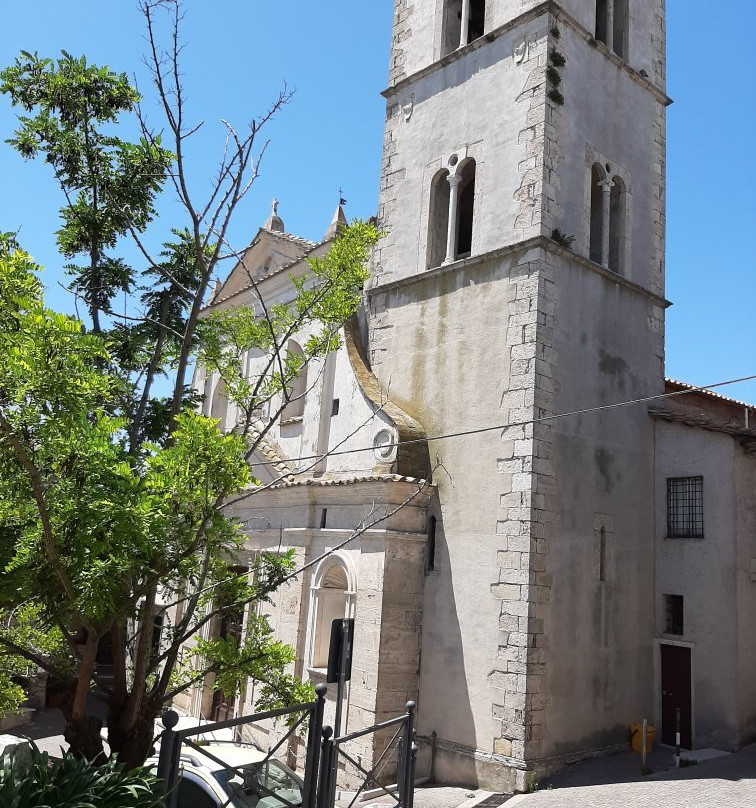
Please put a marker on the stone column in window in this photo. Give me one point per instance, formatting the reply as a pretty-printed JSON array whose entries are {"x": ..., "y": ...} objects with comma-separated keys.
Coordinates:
[
  {"x": 451, "y": 236},
  {"x": 464, "y": 33},
  {"x": 610, "y": 25},
  {"x": 606, "y": 188}
]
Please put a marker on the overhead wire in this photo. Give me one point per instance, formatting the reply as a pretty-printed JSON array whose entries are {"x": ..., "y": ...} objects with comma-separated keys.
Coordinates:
[{"x": 496, "y": 427}]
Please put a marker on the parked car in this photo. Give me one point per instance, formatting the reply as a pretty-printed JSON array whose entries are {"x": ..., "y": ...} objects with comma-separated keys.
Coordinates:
[{"x": 250, "y": 782}]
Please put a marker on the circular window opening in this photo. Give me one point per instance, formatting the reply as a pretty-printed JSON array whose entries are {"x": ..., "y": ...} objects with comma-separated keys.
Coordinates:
[
  {"x": 453, "y": 160},
  {"x": 383, "y": 444}
]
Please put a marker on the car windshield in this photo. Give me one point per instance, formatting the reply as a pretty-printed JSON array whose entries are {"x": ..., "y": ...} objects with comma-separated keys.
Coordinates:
[{"x": 268, "y": 784}]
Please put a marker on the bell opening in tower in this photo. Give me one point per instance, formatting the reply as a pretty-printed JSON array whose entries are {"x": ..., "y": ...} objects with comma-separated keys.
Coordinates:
[
  {"x": 466, "y": 207},
  {"x": 463, "y": 22}
]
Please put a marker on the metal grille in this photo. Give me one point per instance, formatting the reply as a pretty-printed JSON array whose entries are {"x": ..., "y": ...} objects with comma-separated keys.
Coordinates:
[
  {"x": 685, "y": 508},
  {"x": 674, "y": 608}
]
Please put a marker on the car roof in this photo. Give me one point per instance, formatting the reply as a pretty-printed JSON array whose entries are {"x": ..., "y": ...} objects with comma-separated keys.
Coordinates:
[{"x": 230, "y": 754}]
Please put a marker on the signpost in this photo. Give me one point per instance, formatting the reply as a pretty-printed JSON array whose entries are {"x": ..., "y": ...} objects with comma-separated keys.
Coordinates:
[
  {"x": 340, "y": 663},
  {"x": 339, "y": 671}
]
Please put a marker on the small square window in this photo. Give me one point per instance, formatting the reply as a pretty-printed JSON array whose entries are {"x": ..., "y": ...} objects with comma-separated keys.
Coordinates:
[
  {"x": 685, "y": 508},
  {"x": 673, "y": 605}
]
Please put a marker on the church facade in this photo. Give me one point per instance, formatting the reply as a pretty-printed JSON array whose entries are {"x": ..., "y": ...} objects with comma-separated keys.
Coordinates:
[{"x": 560, "y": 566}]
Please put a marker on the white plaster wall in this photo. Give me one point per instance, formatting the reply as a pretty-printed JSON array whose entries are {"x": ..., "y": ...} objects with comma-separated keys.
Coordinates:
[
  {"x": 353, "y": 428},
  {"x": 448, "y": 361},
  {"x": 598, "y": 651},
  {"x": 607, "y": 111},
  {"x": 417, "y": 31},
  {"x": 745, "y": 572},
  {"x": 704, "y": 571},
  {"x": 644, "y": 17},
  {"x": 357, "y": 423},
  {"x": 446, "y": 116}
]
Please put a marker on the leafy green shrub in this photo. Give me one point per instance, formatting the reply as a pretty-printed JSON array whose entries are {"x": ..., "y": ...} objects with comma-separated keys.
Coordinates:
[
  {"x": 562, "y": 239},
  {"x": 74, "y": 783},
  {"x": 12, "y": 696}
]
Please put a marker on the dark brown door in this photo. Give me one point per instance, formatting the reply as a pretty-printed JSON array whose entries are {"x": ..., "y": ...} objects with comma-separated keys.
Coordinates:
[
  {"x": 676, "y": 694},
  {"x": 222, "y": 708}
]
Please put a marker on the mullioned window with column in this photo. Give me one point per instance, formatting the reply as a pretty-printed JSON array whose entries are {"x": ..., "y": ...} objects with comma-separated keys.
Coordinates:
[
  {"x": 608, "y": 227},
  {"x": 612, "y": 25},
  {"x": 464, "y": 21},
  {"x": 451, "y": 212}
]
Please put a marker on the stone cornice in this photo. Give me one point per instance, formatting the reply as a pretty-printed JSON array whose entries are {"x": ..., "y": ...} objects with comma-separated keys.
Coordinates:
[
  {"x": 546, "y": 7},
  {"x": 384, "y": 489},
  {"x": 537, "y": 242}
]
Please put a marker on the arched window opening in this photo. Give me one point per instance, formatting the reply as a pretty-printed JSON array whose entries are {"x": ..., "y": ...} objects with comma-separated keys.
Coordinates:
[
  {"x": 464, "y": 21},
  {"x": 330, "y": 604},
  {"x": 602, "y": 9},
  {"x": 465, "y": 210},
  {"x": 438, "y": 219},
  {"x": 219, "y": 406},
  {"x": 621, "y": 28},
  {"x": 617, "y": 218},
  {"x": 452, "y": 26},
  {"x": 612, "y": 25},
  {"x": 597, "y": 214},
  {"x": 430, "y": 547},
  {"x": 297, "y": 386},
  {"x": 477, "y": 25},
  {"x": 602, "y": 554}
]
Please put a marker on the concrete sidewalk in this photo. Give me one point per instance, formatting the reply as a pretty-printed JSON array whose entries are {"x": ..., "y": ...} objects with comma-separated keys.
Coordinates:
[
  {"x": 725, "y": 782},
  {"x": 606, "y": 782}
]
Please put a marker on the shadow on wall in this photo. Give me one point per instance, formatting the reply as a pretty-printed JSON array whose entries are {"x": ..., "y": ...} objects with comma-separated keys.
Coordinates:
[{"x": 444, "y": 706}]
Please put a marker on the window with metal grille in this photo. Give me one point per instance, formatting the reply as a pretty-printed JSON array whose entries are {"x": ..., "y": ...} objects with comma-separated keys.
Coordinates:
[
  {"x": 685, "y": 508},
  {"x": 673, "y": 605}
]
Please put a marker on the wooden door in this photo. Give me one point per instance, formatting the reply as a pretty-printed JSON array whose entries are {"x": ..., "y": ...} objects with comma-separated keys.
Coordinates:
[
  {"x": 222, "y": 708},
  {"x": 676, "y": 694}
]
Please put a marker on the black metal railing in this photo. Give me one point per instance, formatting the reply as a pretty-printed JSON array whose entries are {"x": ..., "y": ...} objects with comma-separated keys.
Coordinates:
[
  {"x": 334, "y": 748},
  {"x": 172, "y": 741},
  {"x": 321, "y": 761}
]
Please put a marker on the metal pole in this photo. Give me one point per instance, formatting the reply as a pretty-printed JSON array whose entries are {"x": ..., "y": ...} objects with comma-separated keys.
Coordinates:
[
  {"x": 411, "y": 784},
  {"x": 341, "y": 682},
  {"x": 643, "y": 745},
  {"x": 400, "y": 772},
  {"x": 168, "y": 759},
  {"x": 345, "y": 653},
  {"x": 405, "y": 763},
  {"x": 324, "y": 785},
  {"x": 313, "y": 748},
  {"x": 677, "y": 739}
]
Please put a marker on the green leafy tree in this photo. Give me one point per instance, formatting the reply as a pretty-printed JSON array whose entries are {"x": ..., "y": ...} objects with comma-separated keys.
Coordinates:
[
  {"x": 113, "y": 496},
  {"x": 109, "y": 183}
]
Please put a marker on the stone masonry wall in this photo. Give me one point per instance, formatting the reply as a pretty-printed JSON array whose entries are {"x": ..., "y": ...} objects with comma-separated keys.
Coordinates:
[
  {"x": 527, "y": 488},
  {"x": 531, "y": 54},
  {"x": 403, "y": 10}
]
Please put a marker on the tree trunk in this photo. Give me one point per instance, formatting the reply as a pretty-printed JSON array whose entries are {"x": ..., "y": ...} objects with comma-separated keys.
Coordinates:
[
  {"x": 83, "y": 736},
  {"x": 132, "y": 742},
  {"x": 83, "y": 731}
]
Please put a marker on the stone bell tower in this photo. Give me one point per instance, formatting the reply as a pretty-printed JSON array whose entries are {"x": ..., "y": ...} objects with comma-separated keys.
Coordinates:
[{"x": 518, "y": 288}]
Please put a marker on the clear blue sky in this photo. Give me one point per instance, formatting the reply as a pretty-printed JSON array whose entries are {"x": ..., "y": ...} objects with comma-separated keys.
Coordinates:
[{"x": 335, "y": 55}]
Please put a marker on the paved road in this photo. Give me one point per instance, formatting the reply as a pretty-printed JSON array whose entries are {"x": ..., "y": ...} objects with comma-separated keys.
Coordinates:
[{"x": 615, "y": 780}]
